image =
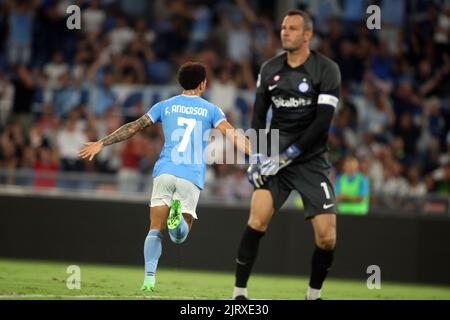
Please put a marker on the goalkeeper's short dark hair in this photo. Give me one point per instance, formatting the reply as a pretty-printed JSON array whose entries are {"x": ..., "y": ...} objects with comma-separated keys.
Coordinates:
[
  {"x": 191, "y": 74},
  {"x": 307, "y": 20}
]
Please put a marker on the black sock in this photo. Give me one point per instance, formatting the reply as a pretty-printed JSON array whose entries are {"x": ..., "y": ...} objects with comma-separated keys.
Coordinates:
[
  {"x": 321, "y": 263},
  {"x": 248, "y": 249}
]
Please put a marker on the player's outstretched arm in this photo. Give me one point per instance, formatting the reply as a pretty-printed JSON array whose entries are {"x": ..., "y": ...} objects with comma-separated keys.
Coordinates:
[
  {"x": 123, "y": 133},
  {"x": 239, "y": 140}
]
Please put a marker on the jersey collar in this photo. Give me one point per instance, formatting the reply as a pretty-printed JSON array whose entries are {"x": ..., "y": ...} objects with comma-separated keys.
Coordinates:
[{"x": 311, "y": 52}]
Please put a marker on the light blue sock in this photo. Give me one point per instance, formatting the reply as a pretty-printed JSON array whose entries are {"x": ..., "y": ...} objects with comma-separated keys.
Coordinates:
[
  {"x": 179, "y": 234},
  {"x": 152, "y": 251}
]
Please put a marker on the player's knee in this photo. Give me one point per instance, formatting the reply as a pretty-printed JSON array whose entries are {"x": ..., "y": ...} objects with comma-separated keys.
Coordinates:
[
  {"x": 258, "y": 224},
  {"x": 326, "y": 242}
]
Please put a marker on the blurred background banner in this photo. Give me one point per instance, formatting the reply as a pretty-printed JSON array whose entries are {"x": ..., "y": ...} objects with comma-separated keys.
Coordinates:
[{"x": 60, "y": 87}]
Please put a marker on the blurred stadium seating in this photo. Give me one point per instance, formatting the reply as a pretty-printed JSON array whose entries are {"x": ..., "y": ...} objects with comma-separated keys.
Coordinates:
[{"x": 60, "y": 87}]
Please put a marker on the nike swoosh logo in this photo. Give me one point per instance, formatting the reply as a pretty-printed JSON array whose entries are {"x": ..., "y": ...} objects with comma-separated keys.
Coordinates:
[
  {"x": 241, "y": 263},
  {"x": 328, "y": 206},
  {"x": 272, "y": 87}
]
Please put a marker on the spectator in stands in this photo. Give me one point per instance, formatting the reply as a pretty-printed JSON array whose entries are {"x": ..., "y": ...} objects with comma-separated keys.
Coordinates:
[
  {"x": 398, "y": 149},
  {"x": 13, "y": 144},
  {"x": 442, "y": 34},
  {"x": 406, "y": 100},
  {"x": 410, "y": 133},
  {"x": 54, "y": 70},
  {"x": 6, "y": 98},
  {"x": 201, "y": 26},
  {"x": 379, "y": 155},
  {"x": 103, "y": 97},
  {"x": 383, "y": 65},
  {"x": 416, "y": 188},
  {"x": 144, "y": 34},
  {"x": 48, "y": 124},
  {"x": 67, "y": 97},
  {"x": 434, "y": 122},
  {"x": 129, "y": 177},
  {"x": 352, "y": 66},
  {"x": 379, "y": 117},
  {"x": 69, "y": 141},
  {"x": 223, "y": 92},
  {"x": 238, "y": 39},
  {"x": 24, "y": 88},
  {"x": 93, "y": 18},
  {"x": 395, "y": 185},
  {"x": 9, "y": 160},
  {"x": 109, "y": 161},
  {"x": 121, "y": 36},
  {"x": 439, "y": 180},
  {"x": 20, "y": 32},
  {"x": 395, "y": 109},
  {"x": 445, "y": 157},
  {"x": 352, "y": 190},
  {"x": 45, "y": 167}
]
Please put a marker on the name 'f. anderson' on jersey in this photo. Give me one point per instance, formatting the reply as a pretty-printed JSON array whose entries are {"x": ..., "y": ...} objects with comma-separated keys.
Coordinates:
[{"x": 303, "y": 101}]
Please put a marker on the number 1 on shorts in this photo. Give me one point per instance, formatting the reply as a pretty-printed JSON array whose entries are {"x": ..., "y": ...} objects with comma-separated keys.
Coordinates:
[{"x": 325, "y": 188}]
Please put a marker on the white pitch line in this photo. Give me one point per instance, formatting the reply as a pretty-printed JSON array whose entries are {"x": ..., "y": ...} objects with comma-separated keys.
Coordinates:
[{"x": 24, "y": 296}]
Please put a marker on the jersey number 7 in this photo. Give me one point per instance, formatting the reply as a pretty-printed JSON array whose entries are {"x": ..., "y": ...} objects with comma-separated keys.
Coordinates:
[{"x": 190, "y": 123}]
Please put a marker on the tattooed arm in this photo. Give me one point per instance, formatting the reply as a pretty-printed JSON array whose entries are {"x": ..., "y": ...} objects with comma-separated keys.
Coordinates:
[
  {"x": 127, "y": 130},
  {"x": 123, "y": 133}
]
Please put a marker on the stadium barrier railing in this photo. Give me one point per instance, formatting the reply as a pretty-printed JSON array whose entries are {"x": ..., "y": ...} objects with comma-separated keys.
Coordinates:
[{"x": 138, "y": 188}]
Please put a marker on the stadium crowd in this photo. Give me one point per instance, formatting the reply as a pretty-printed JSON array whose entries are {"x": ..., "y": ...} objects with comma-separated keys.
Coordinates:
[{"x": 57, "y": 86}]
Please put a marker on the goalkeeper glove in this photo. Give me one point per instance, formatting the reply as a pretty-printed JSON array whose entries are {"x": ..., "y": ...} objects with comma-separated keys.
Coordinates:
[
  {"x": 253, "y": 171},
  {"x": 273, "y": 165}
]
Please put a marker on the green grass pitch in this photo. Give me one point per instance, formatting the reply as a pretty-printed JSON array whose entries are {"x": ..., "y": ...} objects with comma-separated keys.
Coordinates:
[{"x": 22, "y": 279}]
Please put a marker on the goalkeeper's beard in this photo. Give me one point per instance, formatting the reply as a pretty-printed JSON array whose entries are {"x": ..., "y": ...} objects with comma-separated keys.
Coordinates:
[{"x": 297, "y": 47}]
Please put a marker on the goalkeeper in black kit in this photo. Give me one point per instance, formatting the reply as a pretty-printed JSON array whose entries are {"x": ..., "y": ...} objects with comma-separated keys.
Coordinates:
[{"x": 302, "y": 87}]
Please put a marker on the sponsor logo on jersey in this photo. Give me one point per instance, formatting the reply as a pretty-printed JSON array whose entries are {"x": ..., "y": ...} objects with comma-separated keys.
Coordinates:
[
  {"x": 291, "y": 102},
  {"x": 276, "y": 77}
]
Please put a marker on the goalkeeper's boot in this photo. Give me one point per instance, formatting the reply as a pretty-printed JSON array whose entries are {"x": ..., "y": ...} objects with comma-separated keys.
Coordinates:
[
  {"x": 175, "y": 215},
  {"x": 149, "y": 283}
]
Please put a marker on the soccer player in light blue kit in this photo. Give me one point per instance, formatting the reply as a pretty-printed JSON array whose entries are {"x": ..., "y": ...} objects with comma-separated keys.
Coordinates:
[{"x": 179, "y": 174}]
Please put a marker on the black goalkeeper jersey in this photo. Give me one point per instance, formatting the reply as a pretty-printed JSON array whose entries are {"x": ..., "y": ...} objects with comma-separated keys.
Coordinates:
[{"x": 299, "y": 97}]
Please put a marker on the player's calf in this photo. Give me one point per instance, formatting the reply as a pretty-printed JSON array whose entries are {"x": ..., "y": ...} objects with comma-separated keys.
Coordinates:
[
  {"x": 247, "y": 253},
  {"x": 322, "y": 259},
  {"x": 152, "y": 253},
  {"x": 176, "y": 223}
]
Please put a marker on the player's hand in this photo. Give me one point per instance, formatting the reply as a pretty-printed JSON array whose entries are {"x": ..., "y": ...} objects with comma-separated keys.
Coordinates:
[
  {"x": 254, "y": 176},
  {"x": 273, "y": 165},
  {"x": 90, "y": 150},
  {"x": 253, "y": 171}
]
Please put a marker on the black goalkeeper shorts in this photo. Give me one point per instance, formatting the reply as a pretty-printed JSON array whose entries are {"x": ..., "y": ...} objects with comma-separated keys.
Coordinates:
[{"x": 311, "y": 180}]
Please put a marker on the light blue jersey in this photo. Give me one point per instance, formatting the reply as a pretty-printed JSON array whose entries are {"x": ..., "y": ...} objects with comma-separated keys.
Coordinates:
[{"x": 187, "y": 122}]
